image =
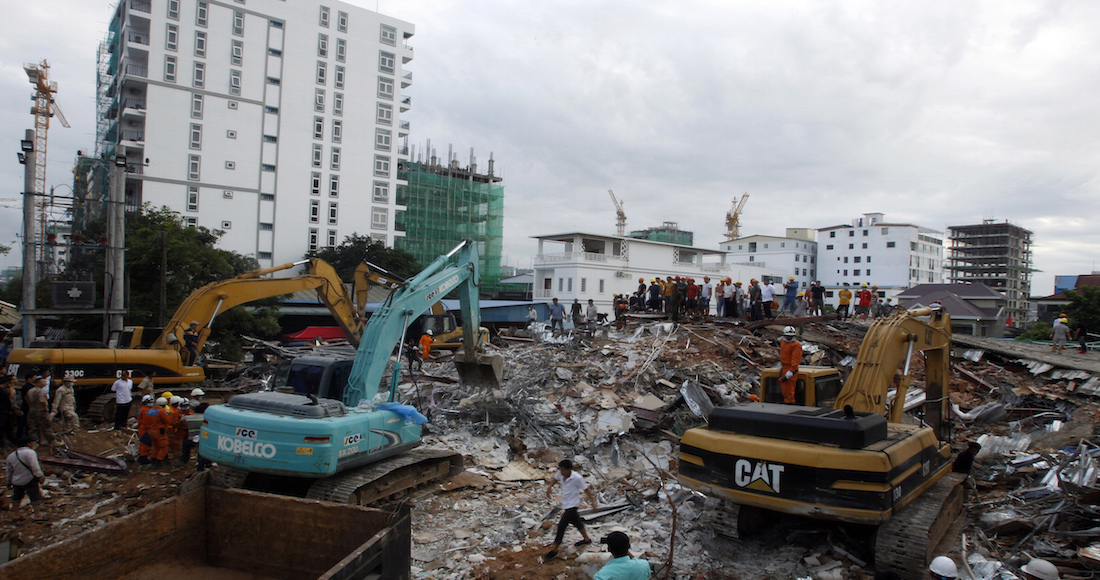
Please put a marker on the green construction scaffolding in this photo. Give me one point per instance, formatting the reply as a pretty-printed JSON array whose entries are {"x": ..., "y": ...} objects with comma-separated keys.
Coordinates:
[{"x": 445, "y": 205}]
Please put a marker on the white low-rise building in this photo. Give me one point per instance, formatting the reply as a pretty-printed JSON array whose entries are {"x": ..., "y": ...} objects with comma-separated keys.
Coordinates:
[
  {"x": 593, "y": 266},
  {"x": 794, "y": 255}
]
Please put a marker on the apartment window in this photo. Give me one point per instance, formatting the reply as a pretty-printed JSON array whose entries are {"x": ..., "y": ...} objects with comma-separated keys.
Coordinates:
[
  {"x": 379, "y": 218},
  {"x": 851, "y": 233},
  {"x": 265, "y": 226},
  {"x": 856, "y": 259},
  {"x": 332, "y": 238},
  {"x": 270, "y": 139},
  {"x": 322, "y": 45},
  {"x": 312, "y": 239},
  {"x": 569, "y": 284},
  {"x": 382, "y": 139},
  {"x": 855, "y": 272},
  {"x": 885, "y": 231},
  {"x": 174, "y": 9},
  {"x": 333, "y": 185},
  {"x": 385, "y": 87},
  {"x": 316, "y": 154},
  {"x": 388, "y": 35},
  {"x": 238, "y": 23},
  {"x": 196, "y": 106},
  {"x": 891, "y": 244},
  {"x": 171, "y": 37},
  {"x": 201, "y": 12},
  {"x": 829, "y": 247},
  {"x": 192, "y": 198},
  {"x": 318, "y": 127},
  {"x": 315, "y": 184},
  {"x": 601, "y": 285},
  {"x": 274, "y": 81},
  {"x": 845, "y": 259},
  {"x": 234, "y": 82},
  {"x": 322, "y": 72},
  {"x": 337, "y": 130},
  {"x": 319, "y": 101},
  {"x": 381, "y": 166},
  {"x": 198, "y": 77},
  {"x": 341, "y": 50},
  {"x": 832, "y": 234},
  {"x": 868, "y": 259},
  {"x": 196, "y": 136},
  {"x": 276, "y": 24},
  {"x": 227, "y": 225},
  {"x": 194, "y": 164},
  {"x": 865, "y": 233},
  {"x": 342, "y": 21},
  {"x": 333, "y": 208},
  {"x": 200, "y": 44},
  {"x": 864, "y": 245},
  {"x": 169, "y": 69},
  {"x": 869, "y": 273},
  {"x": 560, "y": 280},
  {"x": 381, "y": 192},
  {"x": 334, "y": 163},
  {"x": 845, "y": 272},
  {"x": 337, "y": 103},
  {"x": 851, "y": 246},
  {"x": 267, "y": 197},
  {"x": 385, "y": 114},
  {"x": 314, "y": 211},
  {"x": 274, "y": 52},
  {"x": 267, "y": 167},
  {"x": 338, "y": 78},
  {"x": 324, "y": 17},
  {"x": 236, "y": 57}
]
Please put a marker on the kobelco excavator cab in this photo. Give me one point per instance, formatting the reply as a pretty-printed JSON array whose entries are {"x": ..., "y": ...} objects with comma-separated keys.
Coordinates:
[{"x": 814, "y": 386}]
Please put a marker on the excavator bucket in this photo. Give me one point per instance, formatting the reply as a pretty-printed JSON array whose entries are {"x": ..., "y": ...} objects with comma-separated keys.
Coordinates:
[{"x": 480, "y": 370}]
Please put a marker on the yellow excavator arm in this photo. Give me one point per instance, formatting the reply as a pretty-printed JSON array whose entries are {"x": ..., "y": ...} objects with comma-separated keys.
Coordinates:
[
  {"x": 204, "y": 304},
  {"x": 887, "y": 348}
]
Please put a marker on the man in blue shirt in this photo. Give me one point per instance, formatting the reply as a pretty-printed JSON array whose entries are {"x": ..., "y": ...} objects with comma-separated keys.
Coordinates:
[
  {"x": 622, "y": 567},
  {"x": 557, "y": 316}
]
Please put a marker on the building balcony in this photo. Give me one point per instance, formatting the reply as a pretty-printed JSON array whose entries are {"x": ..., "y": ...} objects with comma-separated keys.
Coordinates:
[
  {"x": 136, "y": 70},
  {"x": 406, "y": 78},
  {"x": 141, "y": 6},
  {"x": 133, "y": 109},
  {"x": 132, "y": 138},
  {"x": 406, "y": 54},
  {"x": 137, "y": 38},
  {"x": 403, "y": 150},
  {"x": 567, "y": 257},
  {"x": 406, "y": 103}
]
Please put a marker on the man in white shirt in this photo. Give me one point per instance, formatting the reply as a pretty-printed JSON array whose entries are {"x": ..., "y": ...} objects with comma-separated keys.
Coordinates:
[
  {"x": 572, "y": 484},
  {"x": 767, "y": 295},
  {"x": 24, "y": 475},
  {"x": 124, "y": 397},
  {"x": 705, "y": 294}
]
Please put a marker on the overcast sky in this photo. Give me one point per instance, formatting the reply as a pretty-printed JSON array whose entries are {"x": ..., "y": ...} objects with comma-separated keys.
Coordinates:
[{"x": 936, "y": 113}]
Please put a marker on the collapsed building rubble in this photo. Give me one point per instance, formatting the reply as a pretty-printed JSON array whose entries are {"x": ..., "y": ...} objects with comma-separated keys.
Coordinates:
[{"x": 616, "y": 401}]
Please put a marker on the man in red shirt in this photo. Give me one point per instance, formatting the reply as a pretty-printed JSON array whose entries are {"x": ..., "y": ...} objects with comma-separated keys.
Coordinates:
[{"x": 864, "y": 301}]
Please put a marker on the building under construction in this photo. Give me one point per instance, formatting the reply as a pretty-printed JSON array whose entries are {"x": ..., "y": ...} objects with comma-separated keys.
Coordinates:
[
  {"x": 668, "y": 232},
  {"x": 998, "y": 255},
  {"x": 447, "y": 203}
]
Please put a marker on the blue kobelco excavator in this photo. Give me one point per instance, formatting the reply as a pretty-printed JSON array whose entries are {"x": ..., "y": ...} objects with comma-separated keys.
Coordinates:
[{"x": 329, "y": 433}]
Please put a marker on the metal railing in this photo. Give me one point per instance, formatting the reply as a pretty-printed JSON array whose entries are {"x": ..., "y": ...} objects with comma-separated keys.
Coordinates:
[
  {"x": 131, "y": 135},
  {"x": 141, "y": 6},
  {"x": 404, "y": 125},
  {"x": 407, "y": 75},
  {"x": 138, "y": 38},
  {"x": 138, "y": 104},
  {"x": 137, "y": 70},
  {"x": 577, "y": 256}
]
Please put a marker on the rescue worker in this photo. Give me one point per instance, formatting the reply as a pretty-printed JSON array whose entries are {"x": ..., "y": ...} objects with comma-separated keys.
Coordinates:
[
  {"x": 182, "y": 434},
  {"x": 196, "y": 396},
  {"x": 654, "y": 295},
  {"x": 64, "y": 404},
  {"x": 158, "y": 431},
  {"x": 38, "y": 413},
  {"x": 145, "y": 439},
  {"x": 426, "y": 342},
  {"x": 668, "y": 288},
  {"x": 845, "y": 296},
  {"x": 943, "y": 568},
  {"x": 790, "y": 288},
  {"x": 864, "y": 307},
  {"x": 193, "y": 422},
  {"x": 175, "y": 442},
  {"x": 790, "y": 355},
  {"x": 755, "y": 301}
]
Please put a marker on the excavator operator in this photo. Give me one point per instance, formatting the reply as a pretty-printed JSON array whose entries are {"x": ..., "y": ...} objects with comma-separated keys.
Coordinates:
[{"x": 790, "y": 354}]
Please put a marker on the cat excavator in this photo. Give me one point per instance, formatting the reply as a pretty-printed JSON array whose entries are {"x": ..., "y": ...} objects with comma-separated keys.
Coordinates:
[{"x": 856, "y": 462}]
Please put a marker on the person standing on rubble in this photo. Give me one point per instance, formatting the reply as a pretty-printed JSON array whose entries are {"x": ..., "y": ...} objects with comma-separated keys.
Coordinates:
[
  {"x": 706, "y": 291},
  {"x": 38, "y": 413},
  {"x": 64, "y": 405},
  {"x": 557, "y": 316},
  {"x": 818, "y": 291},
  {"x": 622, "y": 566},
  {"x": 767, "y": 298},
  {"x": 790, "y": 355},
  {"x": 845, "y": 297},
  {"x": 590, "y": 314},
  {"x": 790, "y": 291},
  {"x": 124, "y": 397},
  {"x": 965, "y": 461},
  {"x": 575, "y": 313},
  {"x": 755, "y": 300},
  {"x": 572, "y": 484},
  {"x": 24, "y": 475},
  {"x": 1059, "y": 335},
  {"x": 1081, "y": 331}
]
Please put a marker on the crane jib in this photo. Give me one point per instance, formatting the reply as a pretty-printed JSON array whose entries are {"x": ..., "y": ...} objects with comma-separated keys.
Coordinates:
[{"x": 443, "y": 288}]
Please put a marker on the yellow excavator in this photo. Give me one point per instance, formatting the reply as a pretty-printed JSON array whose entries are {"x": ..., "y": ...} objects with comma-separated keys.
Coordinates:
[
  {"x": 855, "y": 461},
  {"x": 143, "y": 351}
]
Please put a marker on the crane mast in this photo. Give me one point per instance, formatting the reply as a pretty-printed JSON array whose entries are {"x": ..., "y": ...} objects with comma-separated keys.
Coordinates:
[
  {"x": 733, "y": 218},
  {"x": 44, "y": 107},
  {"x": 620, "y": 215}
]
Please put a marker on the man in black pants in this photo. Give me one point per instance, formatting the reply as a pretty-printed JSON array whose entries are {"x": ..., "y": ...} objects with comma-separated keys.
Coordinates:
[{"x": 572, "y": 484}]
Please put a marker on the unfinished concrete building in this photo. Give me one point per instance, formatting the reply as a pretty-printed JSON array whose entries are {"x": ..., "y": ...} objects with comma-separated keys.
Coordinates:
[{"x": 995, "y": 254}]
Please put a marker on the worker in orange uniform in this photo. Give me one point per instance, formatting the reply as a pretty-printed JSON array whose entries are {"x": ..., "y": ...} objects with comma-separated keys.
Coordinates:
[
  {"x": 172, "y": 410},
  {"x": 158, "y": 431},
  {"x": 426, "y": 344},
  {"x": 790, "y": 354},
  {"x": 180, "y": 431},
  {"x": 145, "y": 440}
]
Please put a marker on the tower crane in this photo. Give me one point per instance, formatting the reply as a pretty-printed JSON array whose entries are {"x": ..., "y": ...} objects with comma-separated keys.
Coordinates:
[
  {"x": 620, "y": 215},
  {"x": 45, "y": 106},
  {"x": 733, "y": 218}
]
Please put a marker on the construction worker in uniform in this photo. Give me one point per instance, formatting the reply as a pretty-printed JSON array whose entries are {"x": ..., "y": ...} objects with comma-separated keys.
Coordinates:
[
  {"x": 426, "y": 345},
  {"x": 668, "y": 288},
  {"x": 182, "y": 431},
  {"x": 158, "y": 431},
  {"x": 145, "y": 440},
  {"x": 172, "y": 410},
  {"x": 790, "y": 355},
  {"x": 845, "y": 296}
]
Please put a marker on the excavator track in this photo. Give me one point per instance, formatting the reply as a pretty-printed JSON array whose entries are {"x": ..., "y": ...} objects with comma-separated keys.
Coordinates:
[
  {"x": 907, "y": 541},
  {"x": 375, "y": 482}
]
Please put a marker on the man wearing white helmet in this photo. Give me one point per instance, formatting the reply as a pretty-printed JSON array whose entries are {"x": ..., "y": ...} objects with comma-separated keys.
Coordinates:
[
  {"x": 943, "y": 568},
  {"x": 145, "y": 440},
  {"x": 196, "y": 396},
  {"x": 158, "y": 432},
  {"x": 1038, "y": 569},
  {"x": 426, "y": 345},
  {"x": 790, "y": 355}
]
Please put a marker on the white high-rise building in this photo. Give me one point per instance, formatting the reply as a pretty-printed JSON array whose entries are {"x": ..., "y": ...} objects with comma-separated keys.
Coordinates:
[
  {"x": 792, "y": 256},
  {"x": 275, "y": 121}
]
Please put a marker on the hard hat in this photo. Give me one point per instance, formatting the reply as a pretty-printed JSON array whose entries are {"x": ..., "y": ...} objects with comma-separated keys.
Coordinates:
[
  {"x": 147, "y": 399},
  {"x": 738, "y": 282},
  {"x": 194, "y": 323},
  {"x": 184, "y": 401},
  {"x": 197, "y": 392},
  {"x": 751, "y": 280},
  {"x": 864, "y": 284},
  {"x": 1041, "y": 569},
  {"x": 789, "y": 331},
  {"x": 430, "y": 333},
  {"x": 174, "y": 401},
  {"x": 641, "y": 279},
  {"x": 166, "y": 394},
  {"x": 792, "y": 277},
  {"x": 800, "y": 294},
  {"x": 944, "y": 567},
  {"x": 706, "y": 277},
  {"x": 185, "y": 404},
  {"x": 161, "y": 401},
  {"x": 889, "y": 299}
]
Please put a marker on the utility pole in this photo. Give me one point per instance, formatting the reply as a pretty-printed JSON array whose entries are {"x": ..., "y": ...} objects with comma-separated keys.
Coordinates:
[
  {"x": 116, "y": 213},
  {"x": 29, "y": 241},
  {"x": 162, "y": 310}
]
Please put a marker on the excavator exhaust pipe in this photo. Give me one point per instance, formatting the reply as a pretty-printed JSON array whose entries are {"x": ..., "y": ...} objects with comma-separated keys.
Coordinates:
[{"x": 481, "y": 371}]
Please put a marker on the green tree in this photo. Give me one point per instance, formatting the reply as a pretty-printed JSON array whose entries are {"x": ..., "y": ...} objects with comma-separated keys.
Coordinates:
[
  {"x": 355, "y": 249},
  {"x": 192, "y": 261},
  {"x": 1037, "y": 331},
  {"x": 1084, "y": 306}
]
